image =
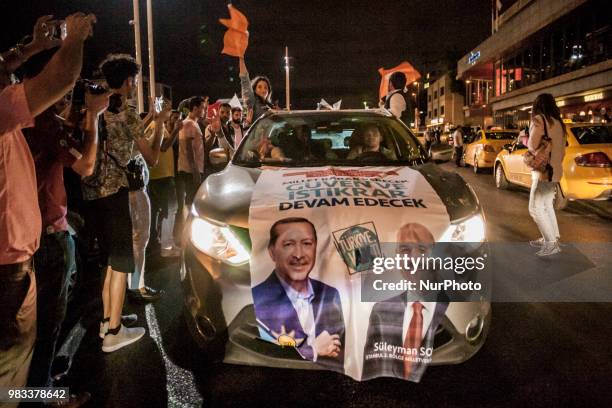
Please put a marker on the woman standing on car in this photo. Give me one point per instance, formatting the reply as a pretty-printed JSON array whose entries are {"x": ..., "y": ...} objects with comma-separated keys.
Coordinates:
[
  {"x": 256, "y": 94},
  {"x": 546, "y": 122}
]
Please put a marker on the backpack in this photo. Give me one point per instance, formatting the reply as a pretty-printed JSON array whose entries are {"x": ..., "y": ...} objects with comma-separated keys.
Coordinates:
[{"x": 540, "y": 160}]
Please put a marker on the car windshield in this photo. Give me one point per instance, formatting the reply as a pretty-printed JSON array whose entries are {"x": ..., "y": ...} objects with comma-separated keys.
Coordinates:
[
  {"x": 343, "y": 138},
  {"x": 501, "y": 135},
  {"x": 593, "y": 134}
]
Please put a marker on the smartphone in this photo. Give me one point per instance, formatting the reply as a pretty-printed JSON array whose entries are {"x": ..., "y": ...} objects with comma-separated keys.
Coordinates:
[
  {"x": 58, "y": 30},
  {"x": 159, "y": 104},
  {"x": 63, "y": 30}
]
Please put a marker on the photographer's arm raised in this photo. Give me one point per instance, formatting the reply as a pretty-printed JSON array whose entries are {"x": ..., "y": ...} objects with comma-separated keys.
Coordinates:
[
  {"x": 60, "y": 74},
  {"x": 96, "y": 104},
  {"x": 150, "y": 152},
  {"x": 170, "y": 140}
]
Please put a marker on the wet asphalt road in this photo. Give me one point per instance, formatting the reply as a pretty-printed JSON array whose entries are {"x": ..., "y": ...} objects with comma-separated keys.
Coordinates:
[{"x": 537, "y": 354}]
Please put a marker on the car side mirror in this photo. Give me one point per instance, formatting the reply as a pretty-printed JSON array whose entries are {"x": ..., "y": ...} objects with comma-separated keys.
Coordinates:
[
  {"x": 508, "y": 146},
  {"x": 218, "y": 157}
]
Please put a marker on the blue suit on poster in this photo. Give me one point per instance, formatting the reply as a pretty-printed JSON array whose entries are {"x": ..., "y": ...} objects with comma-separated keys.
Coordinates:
[{"x": 274, "y": 309}]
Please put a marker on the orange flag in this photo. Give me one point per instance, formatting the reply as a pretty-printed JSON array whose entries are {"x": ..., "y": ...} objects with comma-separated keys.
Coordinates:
[
  {"x": 405, "y": 67},
  {"x": 236, "y": 38}
]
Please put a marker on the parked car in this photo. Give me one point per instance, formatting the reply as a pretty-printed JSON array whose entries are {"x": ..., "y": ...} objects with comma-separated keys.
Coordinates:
[
  {"x": 587, "y": 168},
  {"x": 482, "y": 148},
  {"x": 441, "y": 152},
  {"x": 438, "y": 152},
  {"x": 215, "y": 264}
]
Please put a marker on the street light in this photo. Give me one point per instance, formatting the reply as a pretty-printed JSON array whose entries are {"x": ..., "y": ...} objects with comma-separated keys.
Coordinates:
[
  {"x": 416, "y": 108},
  {"x": 136, "y": 23},
  {"x": 287, "y": 95},
  {"x": 151, "y": 50}
]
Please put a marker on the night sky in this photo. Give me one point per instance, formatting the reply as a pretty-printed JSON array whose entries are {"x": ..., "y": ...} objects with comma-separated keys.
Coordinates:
[{"x": 336, "y": 46}]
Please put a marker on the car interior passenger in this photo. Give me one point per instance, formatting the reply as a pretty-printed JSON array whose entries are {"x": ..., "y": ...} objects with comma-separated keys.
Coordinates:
[{"x": 368, "y": 144}]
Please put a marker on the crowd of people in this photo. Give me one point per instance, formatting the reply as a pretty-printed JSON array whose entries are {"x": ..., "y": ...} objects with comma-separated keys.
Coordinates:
[
  {"x": 136, "y": 174},
  {"x": 136, "y": 177}
]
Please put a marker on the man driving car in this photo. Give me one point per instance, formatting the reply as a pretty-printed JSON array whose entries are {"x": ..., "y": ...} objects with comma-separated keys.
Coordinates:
[{"x": 371, "y": 145}]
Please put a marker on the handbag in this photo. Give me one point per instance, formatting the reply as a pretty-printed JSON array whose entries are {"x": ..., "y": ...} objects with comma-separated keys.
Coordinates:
[
  {"x": 134, "y": 170},
  {"x": 134, "y": 173},
  {"x": 540, "y": 159}
]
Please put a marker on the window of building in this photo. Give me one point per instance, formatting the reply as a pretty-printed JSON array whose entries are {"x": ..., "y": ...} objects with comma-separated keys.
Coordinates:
[
  {"x": 435, "y": 112},
  {"x": 582, "y": 38},
  {"x": 435, "y": 94},
  {"x": 441, "y": 110},
  {"x": 428, "y": 97},
  {"x": 441, "y": 91}
]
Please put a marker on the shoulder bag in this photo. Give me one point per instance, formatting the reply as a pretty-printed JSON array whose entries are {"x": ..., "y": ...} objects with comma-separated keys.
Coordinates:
[{"x": 540, "y": 159}]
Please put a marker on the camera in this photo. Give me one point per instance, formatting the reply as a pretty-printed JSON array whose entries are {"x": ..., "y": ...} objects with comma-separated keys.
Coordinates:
[
  {"x": 80, "y": 88},
  {"x": 57, "y": 30}
]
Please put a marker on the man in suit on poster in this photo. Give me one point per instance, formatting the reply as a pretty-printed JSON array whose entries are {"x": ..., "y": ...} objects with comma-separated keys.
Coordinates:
[
  {"x": 293, "y": 309},
  {"x": 404, "y": 322}
]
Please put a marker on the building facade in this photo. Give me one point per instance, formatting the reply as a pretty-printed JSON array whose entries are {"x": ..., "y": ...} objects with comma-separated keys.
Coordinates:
[
  {"x": 561, "y": 47},
  {"x": 444, "y": 107}
]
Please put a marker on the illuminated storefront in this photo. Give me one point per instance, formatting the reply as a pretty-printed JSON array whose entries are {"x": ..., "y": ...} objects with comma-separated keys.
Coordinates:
[{"x": 559, "y": 47}]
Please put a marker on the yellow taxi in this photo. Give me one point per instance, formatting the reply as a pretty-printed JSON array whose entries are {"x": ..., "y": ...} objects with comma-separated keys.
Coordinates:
[
  {"x": 481, "y": 151},
  {"x": 587, "y": 167}
]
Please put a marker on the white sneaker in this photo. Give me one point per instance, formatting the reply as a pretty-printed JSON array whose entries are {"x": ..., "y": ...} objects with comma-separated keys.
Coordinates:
[
  {"x": 126, "y": 336},
  {"x": 126, "y": 320},
  {"x": 537, "y": 243},
  {"x": 549, "y": 248}
]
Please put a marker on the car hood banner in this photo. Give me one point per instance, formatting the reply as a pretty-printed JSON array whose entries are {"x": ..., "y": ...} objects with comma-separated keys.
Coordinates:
[{"x": 314, "y": 232}]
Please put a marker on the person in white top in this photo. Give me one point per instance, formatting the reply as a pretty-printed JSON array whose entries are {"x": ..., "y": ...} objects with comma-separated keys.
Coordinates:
[
  {"x": 191, "y": 149},
  {"x": 236, "y": 124},
  {"x": 546, "y": 120},
  {"x": 458, "y": 144},
  {"x": 394, "y": 101}
]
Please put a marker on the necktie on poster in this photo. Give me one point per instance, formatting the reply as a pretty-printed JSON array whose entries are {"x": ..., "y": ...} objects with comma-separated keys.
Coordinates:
[{"x": 413, "y": 335}]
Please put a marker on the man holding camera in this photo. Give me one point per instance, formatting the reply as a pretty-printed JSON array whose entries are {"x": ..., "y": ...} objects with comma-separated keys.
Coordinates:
[
  {"x": 119, "y": 171},
  {"x": 20, "y": 219},
  {"x": 53, "y": 147}
]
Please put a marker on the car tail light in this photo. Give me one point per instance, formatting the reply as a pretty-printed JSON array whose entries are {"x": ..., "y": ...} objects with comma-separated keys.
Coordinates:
[
  {"x": 596, "y": 159},
  {"x": 488, "y": 148}
]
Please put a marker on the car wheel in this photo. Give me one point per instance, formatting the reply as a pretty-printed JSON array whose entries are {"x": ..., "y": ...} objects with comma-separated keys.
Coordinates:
[
  {"x": 501, "y": 182},
  {"x": 561, "y": 201},
  {"x": 475, "y": 166},
  {"x": 202, "y": 352}
]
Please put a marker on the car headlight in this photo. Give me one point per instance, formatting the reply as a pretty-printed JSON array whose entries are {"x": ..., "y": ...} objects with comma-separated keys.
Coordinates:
[
  {"x": 469, "y": 230},
  {"x": 218, "y": 241}
]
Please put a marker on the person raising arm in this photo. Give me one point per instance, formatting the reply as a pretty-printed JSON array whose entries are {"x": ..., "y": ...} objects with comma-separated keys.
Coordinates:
[
  {"x": 60, "y": 74},
  {"x": 256, "y": 94}
]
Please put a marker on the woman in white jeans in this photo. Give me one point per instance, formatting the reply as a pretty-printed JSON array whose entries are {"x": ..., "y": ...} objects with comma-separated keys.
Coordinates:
[
  {"x": 546, "y": 120},
  {"x": 140, "y": 211}
]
